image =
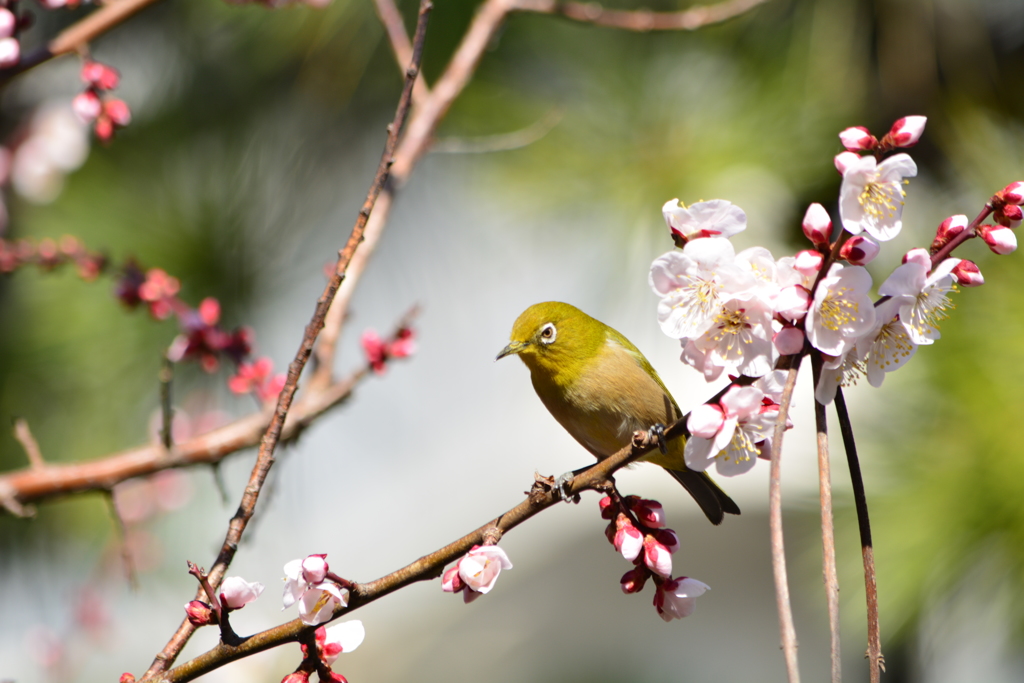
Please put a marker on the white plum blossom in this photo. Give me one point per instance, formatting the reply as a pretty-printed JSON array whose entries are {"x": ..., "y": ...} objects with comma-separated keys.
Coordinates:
[
  {"x": 677, "y": 598},
  {"x": 305, "y": 583},
  {"x": 841, "y": 311},
  {"x": 338, "y": 639},
  {"x": 923, "y": 294},
  {"x": 692, "y": 284},
  {"x": 236, "y": 592},
  {"x": 731, "y": 440},
  {"x": 739, "y": 339},
  {"x": 715, "y": 218},
  {"x": 887, "y": 346},
  {"x": 871, "y": 196},
  {"x": 843, "y": 371},
  {"x": 476, "y": 572}
]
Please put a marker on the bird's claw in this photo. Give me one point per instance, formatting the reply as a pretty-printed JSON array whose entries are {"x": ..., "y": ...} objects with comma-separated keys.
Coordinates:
[
  {"x": 657, "y": 431},
  {"x": 561, "y": 482}
]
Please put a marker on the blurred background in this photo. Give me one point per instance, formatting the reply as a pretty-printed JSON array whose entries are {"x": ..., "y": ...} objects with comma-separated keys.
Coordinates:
[{"x": 255, "y": 136}]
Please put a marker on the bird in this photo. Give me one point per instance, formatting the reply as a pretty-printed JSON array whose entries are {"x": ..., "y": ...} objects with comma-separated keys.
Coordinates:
[{"x": 601, "y": 389}]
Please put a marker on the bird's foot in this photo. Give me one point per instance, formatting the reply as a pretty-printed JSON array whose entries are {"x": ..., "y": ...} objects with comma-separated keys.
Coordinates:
[{"x": 657, "y": 431}]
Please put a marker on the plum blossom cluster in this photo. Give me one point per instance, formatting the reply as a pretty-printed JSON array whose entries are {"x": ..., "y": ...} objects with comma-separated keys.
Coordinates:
[
  {"x": 739, "y": 314},
  {"x": 379, "y": 351},
  {"x": 476, "y": 572},
  {"x": 94, "y": 106},
  {"x": 48, "y": 254},
  {"x": 201, "y": 337},
  {"x": 637, "y": 530}
]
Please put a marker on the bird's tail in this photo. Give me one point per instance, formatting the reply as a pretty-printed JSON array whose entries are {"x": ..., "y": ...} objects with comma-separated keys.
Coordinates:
[{"x": 711, "y": 499}]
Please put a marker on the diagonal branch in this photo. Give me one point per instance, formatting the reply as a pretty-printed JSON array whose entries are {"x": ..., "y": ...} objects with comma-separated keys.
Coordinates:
[{"x": 265, "y": 457}]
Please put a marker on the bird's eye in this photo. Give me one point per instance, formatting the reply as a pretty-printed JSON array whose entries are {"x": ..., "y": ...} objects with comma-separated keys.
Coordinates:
[{"x": 548, "y": 333}]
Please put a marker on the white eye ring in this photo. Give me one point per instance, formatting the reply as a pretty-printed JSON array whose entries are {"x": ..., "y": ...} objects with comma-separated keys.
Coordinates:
[{"x": 548, "y": 333}]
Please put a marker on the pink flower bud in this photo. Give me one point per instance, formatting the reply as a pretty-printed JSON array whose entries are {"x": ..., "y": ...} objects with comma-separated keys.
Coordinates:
[
  {"x": 199, "y": 613},
  {"x": 451, "y": 582},
  {"x": 8, "y": 23},
  {"x": 10, "y": 52},
  {"x": 236, "y": 592},
  {"x": 375, "y": 350},
  {"x": 947, "y": 230},
  {"x": 314, "y": 568},
  {"x": 792, "y": 302},
  {"x": 1012, "y": 193},
  {"x": 844, "y": 160},
  {"x": 999, "y": 239},
  {"x": 1008, "y": 215},
  {"x": 209, "y": 311},
  {"x": 789, "y": 340},
  {"x": 607, "y": 509},
  {"x": 628, "y": 540},
  {"x": 859, "y": 250},
  {"x": 967, "y": 274},
  {"x": 657, "y": 557},
  {"x": 104, "y": 128},
  {"x": 650, "y": 513},
  {"x": 858, "y": 139},
  {"x": 705, "y": 420},
  {"x": 668, "y": 538},
  {"x": 296, "y": 677},
  {"x": 118, "y": 112},
  {"x": 817, "y": 225},
  {"x": 633, "y": 581},
  {"x": 127, "y": 677},
  {"x": 907, "y": 131},
  {"x": 808, "y": 262},
  {"x": 100, "y": 75}
]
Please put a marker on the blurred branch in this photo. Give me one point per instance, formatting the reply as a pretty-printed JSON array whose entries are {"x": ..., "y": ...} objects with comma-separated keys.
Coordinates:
[
  {"x": 391, "y": 18},
  {"x": 828, "y": 536},
  {"x": 541, "y": 496},
  {"x": 24, "y": 436},
  {"x": 641, "y": 20},
  {"x": 786, "y": 628},
  {"x": 876, "y": 662},
  {"x": 265, "y": 457},
  {"x": 500, "y": 143}
]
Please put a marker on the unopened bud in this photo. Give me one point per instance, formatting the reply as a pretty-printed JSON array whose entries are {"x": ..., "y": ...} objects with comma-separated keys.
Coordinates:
[
  {"x": 858, "y": 139},
  {"x": 1012, "y": 193},
  {"x": 668, "y": 538},
  {"x": 817, "y": 225},
  {"x": 1008, "y": 215},
  {"x": 999, "y": 239},
  {"x": 633, "y": 581},
  {"x": 808, "y": 262},
  {"x": 650, "y": 513},
  {"x": 199, "y": 613},
  {"x": 859, "y": 250},
  {"x": 296, "y": 677},
  {"x": 87, "y": 106},
  {"x": 906, "y": 131},
  {"x": 844, "y": 160},
  {"x": 10, "y": 52},
  {"x": 127, "y": 677},
  {"x": 789, "y": 340},
  {"x": 947, "y": 230},
  {"x": 967, "y": 274},
  {"x": 314, "y": 568},
  {"x": 607, "y": 509},
  {"x": 8, "y": 23}
]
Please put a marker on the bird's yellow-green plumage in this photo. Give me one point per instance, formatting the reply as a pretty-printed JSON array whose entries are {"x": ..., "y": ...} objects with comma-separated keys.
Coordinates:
[{"x": 602, "y": 389}]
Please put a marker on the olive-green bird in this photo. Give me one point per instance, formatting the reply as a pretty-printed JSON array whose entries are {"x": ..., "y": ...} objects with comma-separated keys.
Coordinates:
[{"x": 602, "y": 389}]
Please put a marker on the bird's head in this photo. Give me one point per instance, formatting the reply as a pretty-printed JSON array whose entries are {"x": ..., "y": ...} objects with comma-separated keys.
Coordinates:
[{"x": 552, "y": 336}]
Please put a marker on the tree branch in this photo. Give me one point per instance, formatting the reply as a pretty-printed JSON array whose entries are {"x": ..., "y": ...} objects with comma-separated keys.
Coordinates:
[{"x": 641, "y": 20}]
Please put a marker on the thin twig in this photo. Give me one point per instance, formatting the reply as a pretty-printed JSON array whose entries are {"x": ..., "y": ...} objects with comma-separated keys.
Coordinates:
[
  {"x": 28, "y": 442},
  {"x": 641, "y": 20},
  {"x": 828, "y": 536},
  {"x": 265, "y": 457},
  {"x": 786, "y": 629},
  {"x": 393, "y": 23},
  {"x": 121, "y": 531},
  {"x": 166, "y": 375},
  {"x": 876, "y": 661}
]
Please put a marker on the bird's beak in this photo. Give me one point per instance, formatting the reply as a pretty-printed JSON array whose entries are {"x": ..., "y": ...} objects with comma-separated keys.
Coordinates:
[{"x": 513, "y": 347}]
